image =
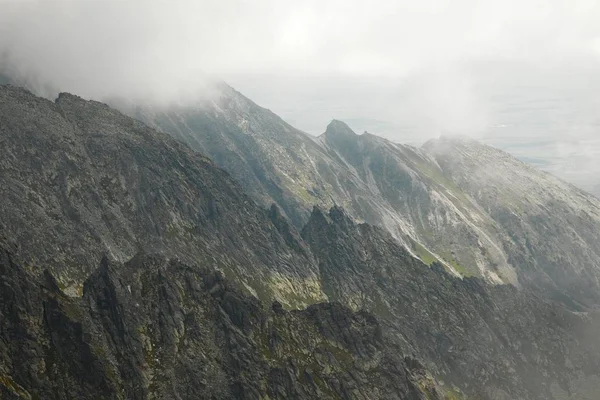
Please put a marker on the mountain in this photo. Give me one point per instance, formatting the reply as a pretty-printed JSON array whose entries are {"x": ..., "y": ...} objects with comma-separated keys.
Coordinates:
[
  {"x": 79, "y": 180},
  {"x": 133, "y": 267},
  {"x": 279, "y": 164},
  {"x": 83, "y": 185},
  {"x": 435, "y": 211},
  {"x": 275, "y": 162}
]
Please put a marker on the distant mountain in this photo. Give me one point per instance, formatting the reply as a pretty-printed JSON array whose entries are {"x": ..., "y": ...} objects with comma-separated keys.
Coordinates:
[{"x": 435, "y": 212}]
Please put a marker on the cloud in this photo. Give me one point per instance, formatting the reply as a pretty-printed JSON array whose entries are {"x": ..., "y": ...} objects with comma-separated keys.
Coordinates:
[{"x": 97, "y": 47}]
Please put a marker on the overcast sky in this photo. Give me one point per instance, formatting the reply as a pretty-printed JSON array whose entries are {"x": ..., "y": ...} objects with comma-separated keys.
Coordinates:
[
  {"x": 96, "y": 46},
  {"x": 511, "y": 72}
]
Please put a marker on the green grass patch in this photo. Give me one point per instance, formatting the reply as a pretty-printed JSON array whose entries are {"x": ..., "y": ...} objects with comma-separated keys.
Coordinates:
[
  {"x": 424, "y": 254},
  {"x": 454, "y": 394},
  {"x": 464, "y": 271},
  {"x": 14, "y": 387}
]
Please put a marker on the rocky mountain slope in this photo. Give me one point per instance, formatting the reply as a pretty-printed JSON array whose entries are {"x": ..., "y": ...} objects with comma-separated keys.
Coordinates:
[
  {"x": 550, "y": 229},
  {"x": 433, "y": 210},
  {"x": 399, "y": 187},
  {"x": 275, "y": 162},
  {"x": 493, "y": 341},
  {"x": 155, "y": 328},
  {"x": 79, "y": 180}
]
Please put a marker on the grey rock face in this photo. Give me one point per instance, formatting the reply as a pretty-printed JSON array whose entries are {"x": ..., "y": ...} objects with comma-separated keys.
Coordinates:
[
  {"x": 496, "y": 342},
  {"x": 550, "y": 229},
  {"x": 79, "y": 180},
  {"x": 155, "y": 328}
]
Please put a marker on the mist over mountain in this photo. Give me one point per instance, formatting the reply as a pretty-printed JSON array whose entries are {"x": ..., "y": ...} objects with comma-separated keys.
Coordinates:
[
  {"x": 544, "y": 115},
  {"x": 477, "y": 218},
  {"x": 308, "y": 200}
]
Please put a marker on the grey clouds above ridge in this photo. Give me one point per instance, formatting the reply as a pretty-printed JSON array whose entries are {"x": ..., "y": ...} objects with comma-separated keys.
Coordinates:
[{"x": 98, "y": 47}]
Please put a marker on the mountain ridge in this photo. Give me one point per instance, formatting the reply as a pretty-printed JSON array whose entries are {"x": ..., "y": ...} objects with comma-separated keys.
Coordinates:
[{"x": 403, "y": 188}]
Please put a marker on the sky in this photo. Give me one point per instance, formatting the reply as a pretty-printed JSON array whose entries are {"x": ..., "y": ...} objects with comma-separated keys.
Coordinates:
[{"x": 523, "y": 75}]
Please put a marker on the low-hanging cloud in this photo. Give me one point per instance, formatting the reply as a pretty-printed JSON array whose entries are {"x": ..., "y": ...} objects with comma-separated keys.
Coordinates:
[{"x": 108, "y": 47}]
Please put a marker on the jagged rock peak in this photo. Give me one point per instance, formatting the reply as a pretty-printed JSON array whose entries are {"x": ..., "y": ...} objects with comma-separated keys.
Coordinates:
[
  {"x": 288, "y": 233},
  {"x": 339, "y": 128},
  {"x": 338, "y": 215},
  {"x": 340, "y": 138},
  {"x": 68, "y": 99},
  {"x": 317, "y": 212},
  {"x": 68, "y": 96},
  {"x": 335, "y": 216}
]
